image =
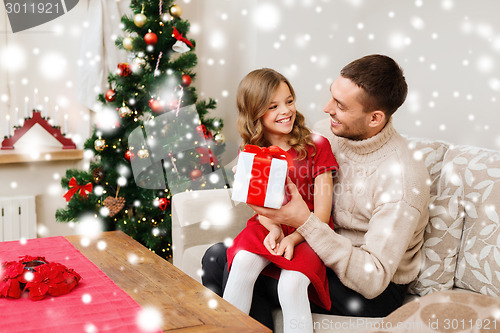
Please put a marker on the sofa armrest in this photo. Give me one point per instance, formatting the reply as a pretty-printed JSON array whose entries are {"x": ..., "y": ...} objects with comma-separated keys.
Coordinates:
[{"x": 201, "y": 218}]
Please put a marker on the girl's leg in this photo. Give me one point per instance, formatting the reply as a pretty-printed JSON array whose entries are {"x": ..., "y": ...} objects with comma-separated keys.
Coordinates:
[
  {"x": 245, "y": 270},
  {"x": 294, "y": 301}
]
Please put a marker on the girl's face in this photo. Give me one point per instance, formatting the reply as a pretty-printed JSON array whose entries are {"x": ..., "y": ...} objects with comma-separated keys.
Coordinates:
[{"x": 279, "y": 119}]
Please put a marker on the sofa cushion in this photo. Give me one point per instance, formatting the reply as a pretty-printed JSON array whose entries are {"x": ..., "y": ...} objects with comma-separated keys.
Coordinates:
[
  {"x": 432, "y": 154},
  {"x": 448, "y": 311},
  {"x": 443, "y": 232},
  {"x": 478, "y": 174}
]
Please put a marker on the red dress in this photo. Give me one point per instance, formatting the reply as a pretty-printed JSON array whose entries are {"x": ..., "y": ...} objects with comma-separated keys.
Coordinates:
[{"x": 304, "y": 258}]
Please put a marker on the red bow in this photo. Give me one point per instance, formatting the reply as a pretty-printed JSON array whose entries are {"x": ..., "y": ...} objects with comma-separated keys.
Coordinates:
[
  {"x": 74, "y": 188},
  {"x": 177, "y": 35},
  {"x": 270, "y": 152}
]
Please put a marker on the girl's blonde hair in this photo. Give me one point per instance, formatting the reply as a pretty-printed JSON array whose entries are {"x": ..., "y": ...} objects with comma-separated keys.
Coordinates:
[{"x": 253, "y": 97}]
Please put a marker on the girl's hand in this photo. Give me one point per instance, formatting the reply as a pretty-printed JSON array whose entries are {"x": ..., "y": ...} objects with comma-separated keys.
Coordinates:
[
  {"x": 286, "y": 248},
  {"x": 273, "y": 239}
]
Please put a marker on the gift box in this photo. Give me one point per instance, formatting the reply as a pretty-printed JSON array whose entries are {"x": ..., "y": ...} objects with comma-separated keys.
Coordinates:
[{"x": 260, "y": 176}]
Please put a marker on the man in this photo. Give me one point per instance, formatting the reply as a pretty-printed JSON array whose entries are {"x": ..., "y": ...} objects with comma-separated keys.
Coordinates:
[{"x": 381, "y": 198}]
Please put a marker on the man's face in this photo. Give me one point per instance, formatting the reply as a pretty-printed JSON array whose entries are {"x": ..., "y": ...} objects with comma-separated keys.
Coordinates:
[{"x": 348, "y": 118}]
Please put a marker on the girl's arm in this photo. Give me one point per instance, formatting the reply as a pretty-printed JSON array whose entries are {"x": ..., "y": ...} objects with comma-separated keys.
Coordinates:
[
  {"x": 274, "y": 236},
  {"x": 268, "y": 223},
  {"x": 323, "y": 195}
]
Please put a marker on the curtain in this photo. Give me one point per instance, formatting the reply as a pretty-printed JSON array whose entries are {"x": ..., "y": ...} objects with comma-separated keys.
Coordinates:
[{"x": 99, "y": 52}]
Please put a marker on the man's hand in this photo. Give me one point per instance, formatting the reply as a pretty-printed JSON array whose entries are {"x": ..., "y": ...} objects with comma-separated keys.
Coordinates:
[
  {"x": 294, "y": 213},
  {"x": 273, "y": 239}
]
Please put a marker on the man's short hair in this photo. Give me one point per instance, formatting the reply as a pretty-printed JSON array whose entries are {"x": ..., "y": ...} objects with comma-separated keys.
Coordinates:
[{"x": 382, "y": 80}]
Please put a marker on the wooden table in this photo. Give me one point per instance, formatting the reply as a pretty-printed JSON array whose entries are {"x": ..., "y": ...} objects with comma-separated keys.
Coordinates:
[{"x": 186, "y": 305}]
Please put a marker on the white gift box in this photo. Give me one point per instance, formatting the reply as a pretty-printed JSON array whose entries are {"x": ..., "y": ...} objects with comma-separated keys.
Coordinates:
[{"x": 260, "y": 180}]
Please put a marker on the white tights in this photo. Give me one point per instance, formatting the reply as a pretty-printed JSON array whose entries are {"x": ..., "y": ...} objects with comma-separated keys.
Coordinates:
[{"x": 292, "y": 291}]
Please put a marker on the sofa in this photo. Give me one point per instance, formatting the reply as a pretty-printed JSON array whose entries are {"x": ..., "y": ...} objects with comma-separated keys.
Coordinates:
[{"x": 460, "y": 268}]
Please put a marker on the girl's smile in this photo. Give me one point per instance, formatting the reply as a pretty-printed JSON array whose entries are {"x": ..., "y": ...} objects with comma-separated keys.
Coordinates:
[{"x": 279, "y": 119}]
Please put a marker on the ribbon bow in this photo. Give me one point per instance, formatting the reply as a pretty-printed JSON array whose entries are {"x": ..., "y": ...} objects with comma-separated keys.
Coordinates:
[
  {"x": 270, "y": 152},
  {"x": 74, "y": 188},
  {"x": 177, "y": 35}
]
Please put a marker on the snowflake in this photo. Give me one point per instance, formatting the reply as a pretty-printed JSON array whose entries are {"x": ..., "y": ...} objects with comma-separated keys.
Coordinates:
[
  {"x": 86, "y": 298},
  {"x": 149, "y": 319}
]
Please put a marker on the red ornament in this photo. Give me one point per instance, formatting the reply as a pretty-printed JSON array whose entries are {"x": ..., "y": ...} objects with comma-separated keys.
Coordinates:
[
  {"x": 129, "y": 155},
  {"x": 173, "y": 104},
  {"x": 186, "y": 80},
  {"x": 150, "y": 38},
  {"x": 156, "y": 105},
  {"x": 110, "y": 95},
  {"x": 202, "y": 130},
  {"x": 196, "y": 173},
  {"x": 164, "y": 202},
  {"x": 123, "y": 69}
]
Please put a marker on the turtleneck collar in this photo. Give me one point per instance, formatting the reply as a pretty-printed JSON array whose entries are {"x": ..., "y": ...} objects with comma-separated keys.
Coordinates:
[{"x": 356, "y": 149}]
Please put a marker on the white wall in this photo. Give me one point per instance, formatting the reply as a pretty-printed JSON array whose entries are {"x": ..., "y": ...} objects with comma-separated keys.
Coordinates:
[
  {"x": 449, "y": 50},
  {"x": 43, "y": 58}
]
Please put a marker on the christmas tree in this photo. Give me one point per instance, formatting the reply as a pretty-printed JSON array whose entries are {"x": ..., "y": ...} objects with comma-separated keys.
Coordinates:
[{"x": 154, "y": 140}]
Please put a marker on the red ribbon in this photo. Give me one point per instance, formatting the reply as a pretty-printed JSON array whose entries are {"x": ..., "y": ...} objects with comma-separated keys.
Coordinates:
[
  {"x": 74, "y": 188},
  {"x": 177, "y": 35},
  {"x": 270, "y": 152},
  {"x": 261, "y": 169}
]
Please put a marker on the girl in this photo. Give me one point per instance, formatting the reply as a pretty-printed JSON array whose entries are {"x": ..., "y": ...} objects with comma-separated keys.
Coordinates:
[{"x": 267, "y": 116}]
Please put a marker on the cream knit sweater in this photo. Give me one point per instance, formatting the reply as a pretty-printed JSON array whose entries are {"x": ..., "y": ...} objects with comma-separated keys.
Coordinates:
[{"x": 381, "y": 199}]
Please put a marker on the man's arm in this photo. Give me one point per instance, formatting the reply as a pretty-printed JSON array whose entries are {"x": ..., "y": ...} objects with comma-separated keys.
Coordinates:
[
  {"x": 367, "y": 269},
  {"x": 294, "y": 213}
]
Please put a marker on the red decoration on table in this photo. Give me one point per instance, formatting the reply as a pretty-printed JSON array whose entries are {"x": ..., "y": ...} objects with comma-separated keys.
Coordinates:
[
  {"x": 123, "y": 69},
  {"x": 110, "y": 307},
  {"x": 74, "y": 188},
  {"x": 163, "y": 203},
  {"x": 8, "y": 143},
  {"x": 150, "y": 38},
  {"x": 9, "y": 279},
  {"x": 255, "y": 181},
  {"x": 177, "y": 35},
  {"x": 48, "y": 278},
  {"x": 186, "y": 80},
  {"x": 110, "y": 95}
]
